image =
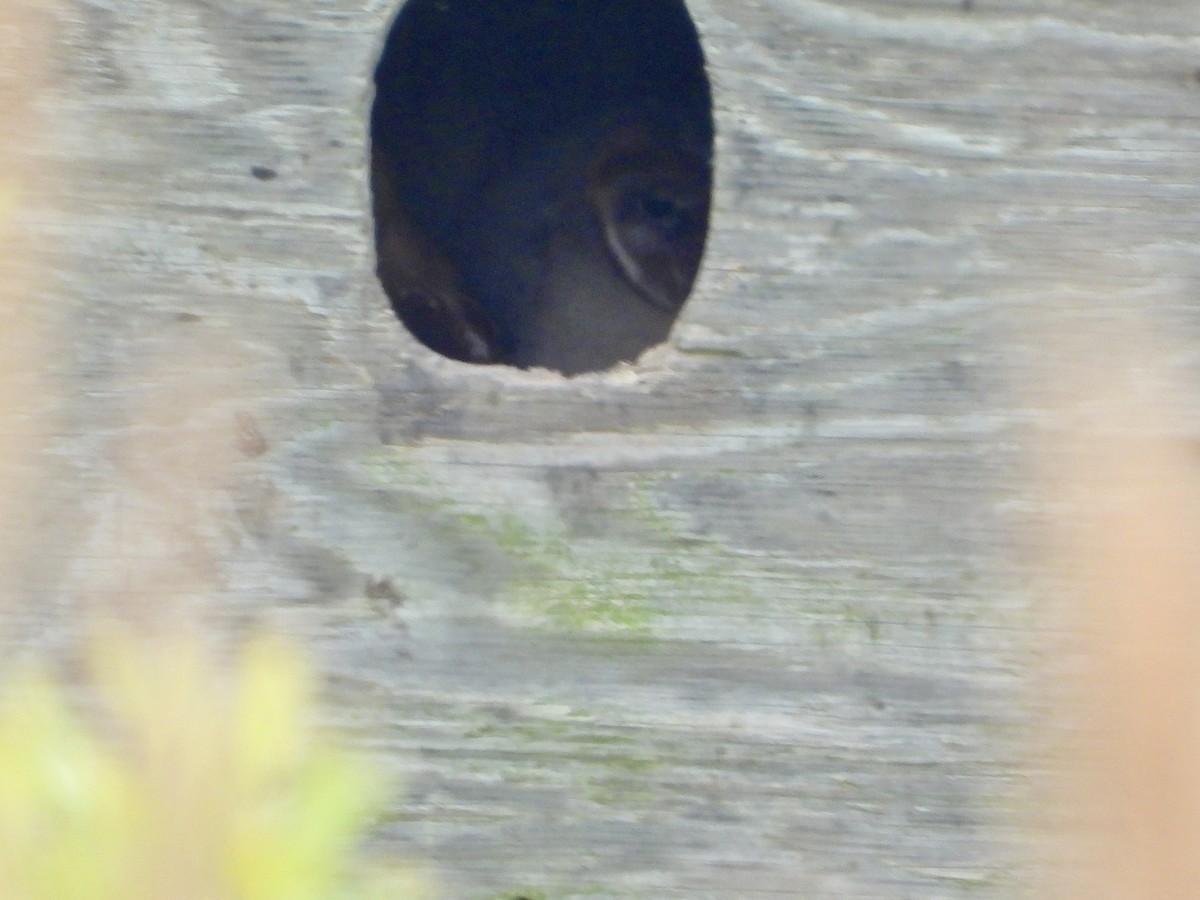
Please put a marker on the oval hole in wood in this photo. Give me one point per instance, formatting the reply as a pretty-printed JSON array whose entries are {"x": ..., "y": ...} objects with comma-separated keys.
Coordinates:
[{"x": 541, "y": 176}]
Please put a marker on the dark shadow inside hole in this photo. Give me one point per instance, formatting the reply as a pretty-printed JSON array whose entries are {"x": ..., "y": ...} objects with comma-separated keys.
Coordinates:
[{"x": 541, "y": 175}]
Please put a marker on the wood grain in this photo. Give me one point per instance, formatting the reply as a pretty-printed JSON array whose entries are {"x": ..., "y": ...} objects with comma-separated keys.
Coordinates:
[{"x": 747, "y": 619}]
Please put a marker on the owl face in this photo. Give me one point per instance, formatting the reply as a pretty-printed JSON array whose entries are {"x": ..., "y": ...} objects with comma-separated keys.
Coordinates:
[
  {"x": 574, "y": 254},
  {"x": 621, "y": 251},
  {"x": 652, "y": 209}
]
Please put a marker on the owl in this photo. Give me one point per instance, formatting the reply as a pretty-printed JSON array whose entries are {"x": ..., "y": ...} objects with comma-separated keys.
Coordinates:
[{"x": 577, "y": 251}]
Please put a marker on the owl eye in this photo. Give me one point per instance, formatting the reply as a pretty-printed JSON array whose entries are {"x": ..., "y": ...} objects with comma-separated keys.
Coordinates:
[
  {"x": 659, "y": 207},
  {"x": 646, "y": 208}
]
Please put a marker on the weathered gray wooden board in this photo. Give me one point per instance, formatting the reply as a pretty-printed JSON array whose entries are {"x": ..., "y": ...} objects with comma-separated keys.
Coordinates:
[{"x": 738, "y": 622}]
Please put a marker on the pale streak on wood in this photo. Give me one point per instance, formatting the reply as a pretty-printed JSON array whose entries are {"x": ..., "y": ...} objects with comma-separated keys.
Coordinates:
[
  {"x": 26, "y": 412},
  {"x": 737, "y": 623}
]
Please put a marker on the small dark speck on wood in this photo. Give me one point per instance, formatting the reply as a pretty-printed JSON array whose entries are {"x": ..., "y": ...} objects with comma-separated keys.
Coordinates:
[
  {"x": 382, "y": 589},
  {"x": 250, "y": 439}
]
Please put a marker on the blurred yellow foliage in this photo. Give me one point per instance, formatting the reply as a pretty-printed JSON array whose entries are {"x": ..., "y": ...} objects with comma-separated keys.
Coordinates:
[{"x": 187, "y": 783}]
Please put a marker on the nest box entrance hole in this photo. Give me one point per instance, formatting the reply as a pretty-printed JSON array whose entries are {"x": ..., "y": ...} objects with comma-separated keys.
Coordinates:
[{"x": 541, "y": 176}]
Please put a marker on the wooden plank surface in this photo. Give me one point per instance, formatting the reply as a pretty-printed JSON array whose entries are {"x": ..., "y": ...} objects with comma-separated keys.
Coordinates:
[{"x": 744, "y": 620}]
